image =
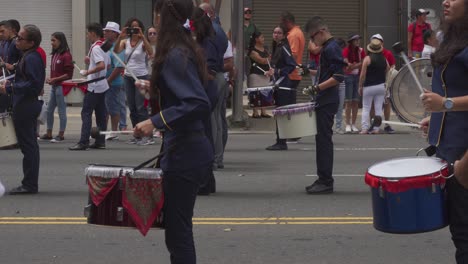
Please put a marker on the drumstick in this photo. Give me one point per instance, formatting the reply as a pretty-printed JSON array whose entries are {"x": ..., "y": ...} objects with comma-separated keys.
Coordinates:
[
  {"x": 76, "y": 66},
  {"x": 400, "y": 124},
  {"x": 258, "y": 67},
  {"x": 398, "y": 48},
  {"x": 268, "y": 61}
]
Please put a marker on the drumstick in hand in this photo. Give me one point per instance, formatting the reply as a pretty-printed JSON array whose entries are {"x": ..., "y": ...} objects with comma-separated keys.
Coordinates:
[
  {"x": 398, "y": 48},
  {"x": 76, "y": 66},
  {"x": 258, "y": 67}
]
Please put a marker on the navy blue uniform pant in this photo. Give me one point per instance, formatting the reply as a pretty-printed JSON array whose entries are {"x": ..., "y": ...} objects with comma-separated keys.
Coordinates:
[
  {"x": 282, "y": 98},
  {"x": 323, "y": 141},
  {"x": 457, "y": 198},
  {"x": 93, "y": 102},
  {"x": 25, "y": 115},
  {"x": 180, "y": 191}
]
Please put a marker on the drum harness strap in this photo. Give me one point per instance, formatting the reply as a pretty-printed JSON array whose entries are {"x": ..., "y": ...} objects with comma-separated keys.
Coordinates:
[{"x": 179, "y": 140}]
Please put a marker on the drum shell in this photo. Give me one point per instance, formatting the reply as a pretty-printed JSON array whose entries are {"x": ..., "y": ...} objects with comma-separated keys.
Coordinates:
[
  {"x": 408, "y": 194},
  {"x": 110, "y": 211},
  {"x": 414, "y": 211},
  {"x": 260, "y": 97},
  {"x": 75, "y": 96},
  {"x": 7, "y": 131},
  {"x": 295, "y": 124}
]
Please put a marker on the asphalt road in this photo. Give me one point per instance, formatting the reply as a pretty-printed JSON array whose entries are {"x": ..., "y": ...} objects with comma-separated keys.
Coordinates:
[{"x": 260, "y": 213}]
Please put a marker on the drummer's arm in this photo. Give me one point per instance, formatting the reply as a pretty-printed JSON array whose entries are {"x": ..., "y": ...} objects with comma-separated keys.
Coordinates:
[
  {"x": 256, "y": 57},
  {"x": 460, "y": 103},
  {"x": 335, "y": 57}
]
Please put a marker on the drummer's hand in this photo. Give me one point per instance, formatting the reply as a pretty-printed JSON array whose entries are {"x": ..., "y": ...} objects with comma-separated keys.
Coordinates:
[
  {"x": 432, "y": 102},
  {"x": 84, "y": 73},
  {"x": 86, "y": 60},
  {"x": 270, "y": 72},
  {"x": 143, "y": 85},
  {"x": 425, "y": 125},
  {"x": 144, "y": 129}
]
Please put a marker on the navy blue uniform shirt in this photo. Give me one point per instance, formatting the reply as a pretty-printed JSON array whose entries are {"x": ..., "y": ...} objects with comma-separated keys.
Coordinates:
[
  {"x": 449, "y": 129},
  {"x": 221, "y": 44},
  {"x": 331, "y": 66},
  {"x": 184, "y": 107},
  {"x": 29, "y": 78},
  {"x": 283, "y": 63}
]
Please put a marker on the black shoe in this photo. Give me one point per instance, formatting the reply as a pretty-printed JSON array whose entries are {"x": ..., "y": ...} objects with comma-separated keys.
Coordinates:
[
  {"x": 79, "y": 146},
  {"x": 277, "y": 147},
  {"x": 21, "y": 190},
  {"x": 97, "y": 146},
  {"x": 319, "y": 188},
  {"x": 203, "y": 192}
]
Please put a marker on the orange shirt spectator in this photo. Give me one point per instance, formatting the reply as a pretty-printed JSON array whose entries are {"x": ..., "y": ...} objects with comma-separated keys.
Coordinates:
[{"x": 297, "y": 42}]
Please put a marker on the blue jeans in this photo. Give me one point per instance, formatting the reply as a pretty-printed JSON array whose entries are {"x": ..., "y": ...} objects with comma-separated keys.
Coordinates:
[
  {"x": 123, "y": 110},
  {"x": 57, "y": 100},
  {"x": 352, "y": 83},
  {"x": 339, "y": 113},
  {"x": 135, "y": 100},
  {"x": 114, "y": 103}
]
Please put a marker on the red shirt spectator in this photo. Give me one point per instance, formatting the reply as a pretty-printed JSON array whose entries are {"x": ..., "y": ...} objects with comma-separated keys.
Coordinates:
[
  {"x": 61, "y": 64},
  {"x": 389, "y": 56},
  {"x": 43, "y": 56}
]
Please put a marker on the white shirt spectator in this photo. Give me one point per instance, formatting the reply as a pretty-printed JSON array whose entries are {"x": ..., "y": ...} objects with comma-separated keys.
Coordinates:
[
  {"x": 137, "y": 61},
  {"x": 228, "y": 54},
  {"x": 97, "y": 55}
]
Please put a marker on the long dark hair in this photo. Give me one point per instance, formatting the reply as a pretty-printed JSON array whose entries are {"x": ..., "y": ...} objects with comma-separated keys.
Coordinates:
[
  {"x": 131, "y": 20},
  {"x": 202, "y": 24},
  {"x": 172, "y": 34},
  {"x": 275, "y": 53},
  {"x": 455, "y": 35},
  {"x": 253, "y": 39},
  {"x": 63, "y": 43}
]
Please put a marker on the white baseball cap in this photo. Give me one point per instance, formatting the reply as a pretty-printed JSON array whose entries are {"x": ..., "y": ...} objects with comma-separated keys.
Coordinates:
[
  {"x": 112, "y": 26},
  {"x": 377, "y": 36}
]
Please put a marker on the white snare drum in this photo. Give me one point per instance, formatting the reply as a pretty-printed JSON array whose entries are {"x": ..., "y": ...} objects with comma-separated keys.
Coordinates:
[
  {"x": 74, "y": 95},
  {"x": 7, "y": 131},
  {"x": 296, "y": 120}
]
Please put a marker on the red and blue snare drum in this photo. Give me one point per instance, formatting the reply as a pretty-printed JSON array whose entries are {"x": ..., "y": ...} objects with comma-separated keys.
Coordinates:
[
  {"x": 408, "y": 194},
  {"x": 260, "y": 96},
  {"x": 120, "y": 196}
]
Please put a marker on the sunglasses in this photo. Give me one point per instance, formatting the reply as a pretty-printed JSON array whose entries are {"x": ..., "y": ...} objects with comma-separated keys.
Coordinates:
[
  {"x": 152, "y": 34},
  {"x": 248, "y": 12}
]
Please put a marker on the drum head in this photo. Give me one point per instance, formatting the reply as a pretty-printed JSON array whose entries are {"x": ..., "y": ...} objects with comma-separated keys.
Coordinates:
[
  {"x": 406, "y": 167},
  {"x": 404, "y": 93}
]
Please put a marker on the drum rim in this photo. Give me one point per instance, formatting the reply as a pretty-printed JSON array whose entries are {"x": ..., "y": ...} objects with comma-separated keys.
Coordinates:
[
  {"x": 290, "y": 109},
  {"x": 402, "y": 115},
  {"x": 442, "y": 162},
  {"x": 116, "y": 171}
]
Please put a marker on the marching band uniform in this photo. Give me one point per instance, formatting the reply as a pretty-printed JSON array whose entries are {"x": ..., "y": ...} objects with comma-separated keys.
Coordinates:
[
  {"x": 447, "y": 131},
  {"x": 28, "y": 84},
  {"x": 184, "y": 107}
]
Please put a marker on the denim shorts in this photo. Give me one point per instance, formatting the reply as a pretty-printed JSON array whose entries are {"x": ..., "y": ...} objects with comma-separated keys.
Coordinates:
[
  {"x": 113, "y": 99},
  {"x": 352, "y": 87}
]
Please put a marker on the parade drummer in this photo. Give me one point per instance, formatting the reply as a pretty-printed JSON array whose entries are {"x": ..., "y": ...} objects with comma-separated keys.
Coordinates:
[
  {"x": 25, "y": 89},
  {"x": 283, "y": 64},
  {"x": 179, "y": 72},
  {"x": 448, "y": 126},
  {"x": 330, "y": 75}
]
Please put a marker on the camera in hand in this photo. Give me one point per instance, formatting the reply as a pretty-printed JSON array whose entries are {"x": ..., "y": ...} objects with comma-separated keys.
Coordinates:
[{"x": 131, "y": 31}]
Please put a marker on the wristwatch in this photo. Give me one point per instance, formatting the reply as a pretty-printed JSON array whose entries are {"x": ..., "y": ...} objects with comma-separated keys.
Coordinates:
[{"x": 448, "y": 104}]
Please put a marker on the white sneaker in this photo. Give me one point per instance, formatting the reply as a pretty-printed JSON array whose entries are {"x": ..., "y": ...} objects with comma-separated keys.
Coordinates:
[
  {"x": 348, "y": 129},
  {"x": 111, "y": 137},
  {"x": 2, "y": 189},
  {"x": 354, "y": 128}
]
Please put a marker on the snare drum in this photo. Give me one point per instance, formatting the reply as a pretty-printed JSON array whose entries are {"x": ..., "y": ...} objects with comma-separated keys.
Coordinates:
[
  {"x": 74, "y": 92},
  {"x": 408, "y": 194},
  {"x": 7, "y": 131},
  {"x": 260, "y": 96},
  {"x": 296, "y": 120},
  {"x": 122, "y": 197}
]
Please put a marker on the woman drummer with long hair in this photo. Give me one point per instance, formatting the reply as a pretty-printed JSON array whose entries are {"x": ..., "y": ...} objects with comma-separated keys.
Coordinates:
[
  {"x": 448, "y": 102},
  {"x": 179, "y": 74}
]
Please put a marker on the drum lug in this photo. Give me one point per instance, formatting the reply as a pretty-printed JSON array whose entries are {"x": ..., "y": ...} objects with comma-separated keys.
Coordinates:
[
  {"x": 87, "y": 210},
  {"x": 121, "y": 185},
  {"x": 4, "y": 122},
  {"x": 434, "y": 190},
  {"x": 120, "y": 213},
  {"x": 289, "y": 116},
  {"x": 311, "y": 113},
  {"x": 381, "y": 192}
]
